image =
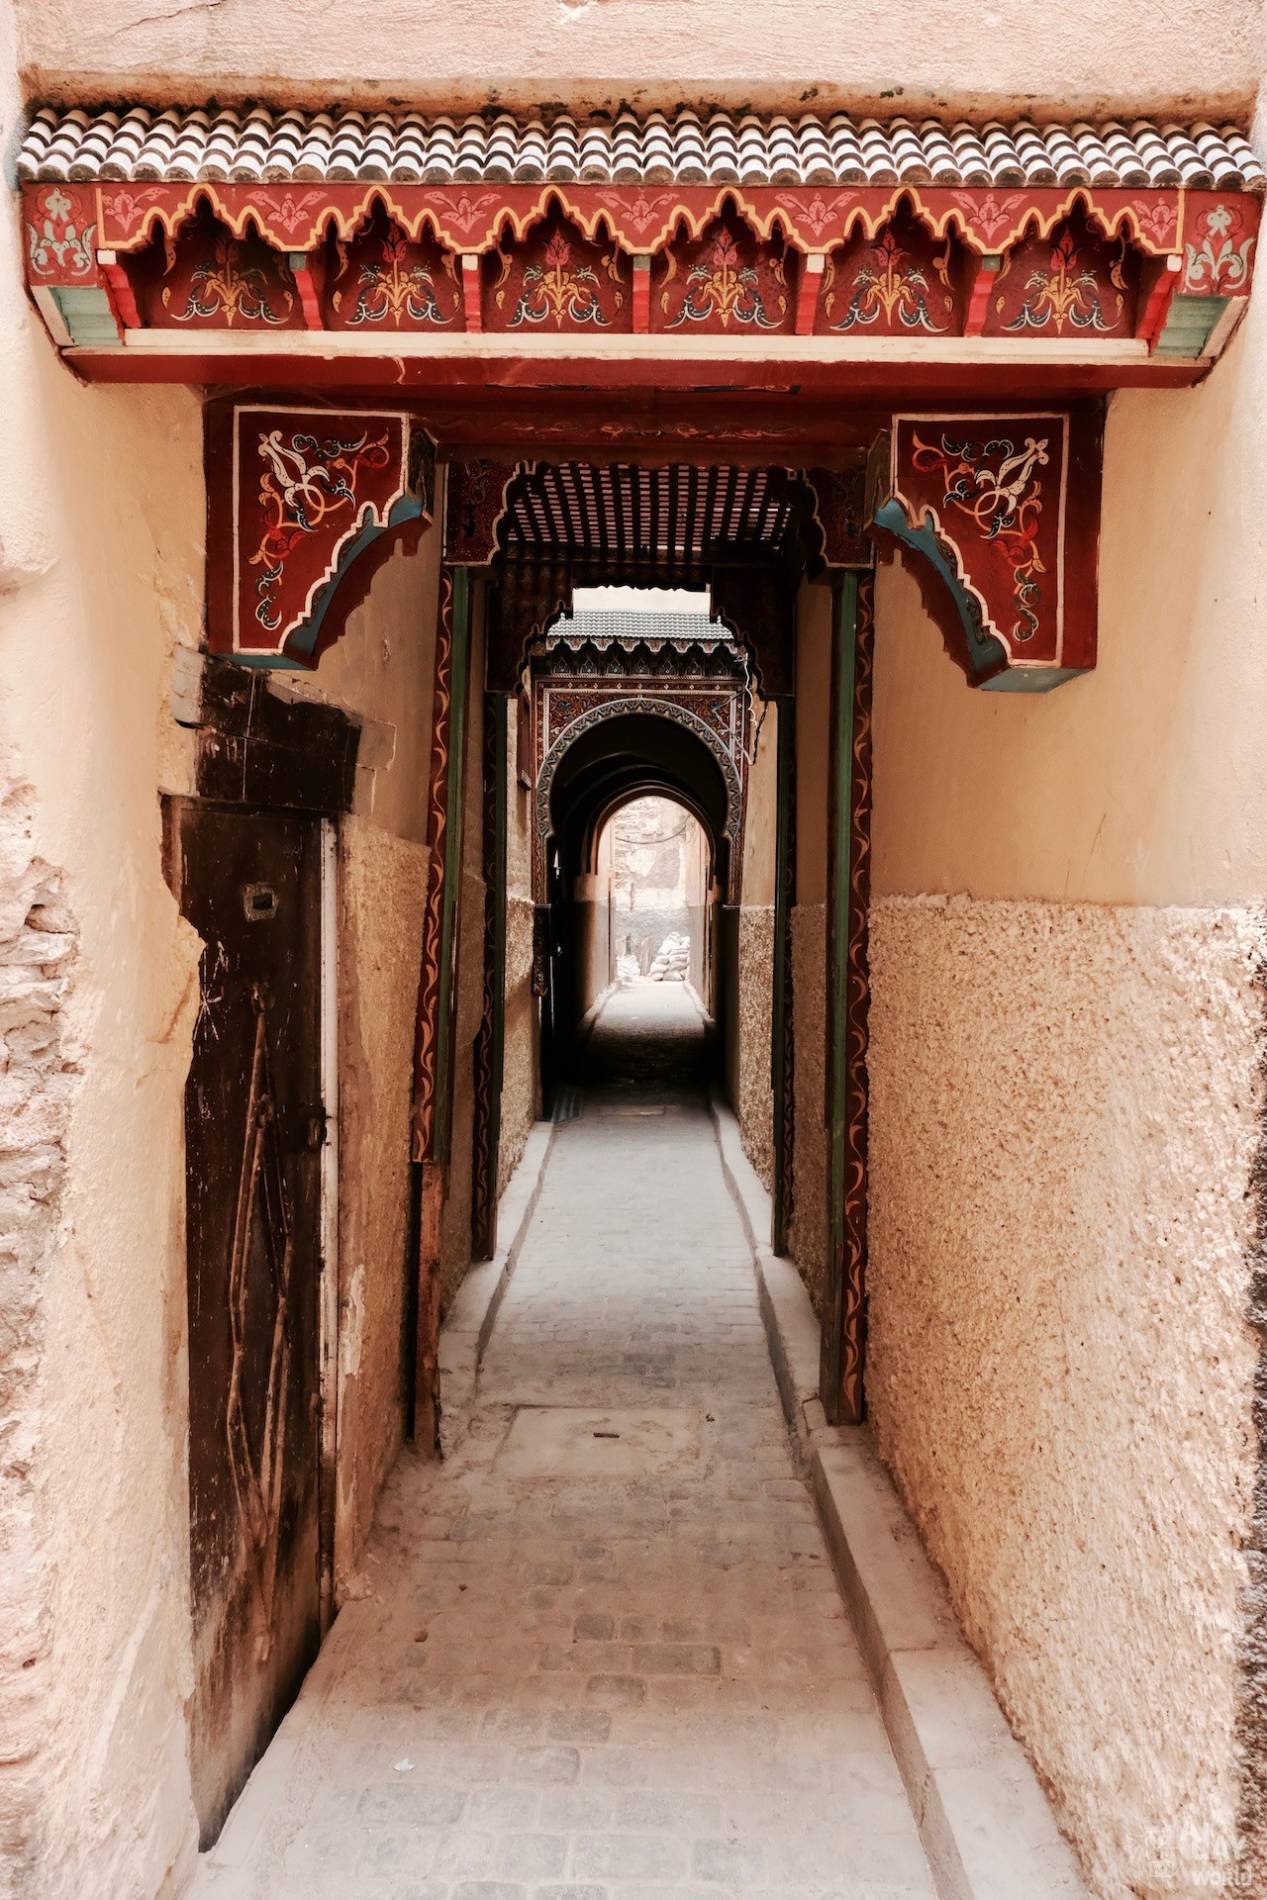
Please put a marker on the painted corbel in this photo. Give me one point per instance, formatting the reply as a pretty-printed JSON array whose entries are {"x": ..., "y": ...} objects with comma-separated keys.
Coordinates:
[
  {"x": 303, "y": 506},
  {"x": 527, "y": 598},
  {"x": 758, "y": 604},
  {"x": 998, "y": 516}
]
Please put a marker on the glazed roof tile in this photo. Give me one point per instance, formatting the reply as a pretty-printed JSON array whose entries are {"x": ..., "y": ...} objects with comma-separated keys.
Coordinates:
[
  {"x": 255, "y": 145},
  {"x": 629, "y": 623}
]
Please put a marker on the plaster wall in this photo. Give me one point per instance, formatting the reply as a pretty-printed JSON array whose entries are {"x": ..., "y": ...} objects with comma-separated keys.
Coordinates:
[
  {"x": 455, "y": 1243},
  {"x": 382, "y": 896},
  {"x": 807, "y": 1232},
  {"x": 520, "y": 1083},
  {"x": 1180, "y": 56},
  {"x": 1059, "y": 1368},
  {"x": 1065, "y": 1075},
  {"x": 101, "y": 522},
  {"x": 380, "y": 671},
  {"x": 749, "y": 997}
]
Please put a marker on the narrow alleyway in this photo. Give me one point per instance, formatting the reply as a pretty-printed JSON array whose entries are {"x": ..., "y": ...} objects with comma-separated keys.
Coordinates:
[{"x": 600, "y": 1654}]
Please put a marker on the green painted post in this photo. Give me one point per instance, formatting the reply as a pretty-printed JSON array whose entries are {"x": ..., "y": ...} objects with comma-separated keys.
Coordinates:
[
  {"x": 781, "y": 1028},
  {"x": 844, "y": 644},
  {"x": 499, "y": 710}
]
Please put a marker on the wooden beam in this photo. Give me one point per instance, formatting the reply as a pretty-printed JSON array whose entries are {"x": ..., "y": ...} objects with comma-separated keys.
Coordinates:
[
  {"x": 471, "y": 294},
  {"x": 1159, "y": 288},
  {"x": 807, "y": 292}
]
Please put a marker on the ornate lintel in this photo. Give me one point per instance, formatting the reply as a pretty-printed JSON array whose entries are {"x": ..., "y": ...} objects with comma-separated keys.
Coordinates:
[
  {"x": 998, "y": 516},
  {"x": 303, "y": 505}
]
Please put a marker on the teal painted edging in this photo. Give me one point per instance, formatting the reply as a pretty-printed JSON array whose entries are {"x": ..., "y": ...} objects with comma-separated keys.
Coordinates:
[{"x": 985, "y": 653}]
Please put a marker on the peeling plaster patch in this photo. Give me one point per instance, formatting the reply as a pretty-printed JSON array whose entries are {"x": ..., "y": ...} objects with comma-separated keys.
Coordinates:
[
  {"x": 1064, "y": 1125},
  {"x": 38, "y": 953},
  {"x": 352, "y": 1323}
]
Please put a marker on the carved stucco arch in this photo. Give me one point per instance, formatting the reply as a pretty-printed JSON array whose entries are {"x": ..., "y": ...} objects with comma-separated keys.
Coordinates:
[{"x": 647, "y": 706}]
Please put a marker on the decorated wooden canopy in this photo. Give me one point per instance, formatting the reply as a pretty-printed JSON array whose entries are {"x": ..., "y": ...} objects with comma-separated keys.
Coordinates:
[
  {"x": 263, "y": 239},
  {"x": 997, "y": 511}
]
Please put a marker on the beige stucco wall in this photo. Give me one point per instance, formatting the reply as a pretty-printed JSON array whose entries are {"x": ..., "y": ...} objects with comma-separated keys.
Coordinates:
[
  {"x": 101, "y": 549},
  {"x": 101, "y": 521},
  {"x": 455, "y": 1242},
  {"x": 1062, "y": 1124},
  {"x": 807, "y": 1232},
  {"x": 382, "y": 896},
  {"x": 748, "y": 1000},
  {"x": 1065, "y": 1083},
  {"x": 882, "y": 55},
  {"x": 381, "y": 672},
  {"x": 520, "y": 1082}
]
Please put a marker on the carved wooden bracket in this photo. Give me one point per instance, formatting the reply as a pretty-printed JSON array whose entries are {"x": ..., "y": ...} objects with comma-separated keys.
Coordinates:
[
  {"x": 303, "y": 504},
  {"x": 527, "y": 597},
  {"x": 839, "y": 514},
  {"x": 758, "y": 604},
  {"x": 999, "y": 518},
  {"x": 475, "y": 497}
]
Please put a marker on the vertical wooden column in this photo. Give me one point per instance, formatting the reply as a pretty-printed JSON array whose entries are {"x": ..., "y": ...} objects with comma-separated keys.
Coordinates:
[
  {"x": 848, "y": 996},
  {"x": 433, "y": 1046},
  {"x": 491, "y": 1040},
  {"x": 782, "y": 1041}
]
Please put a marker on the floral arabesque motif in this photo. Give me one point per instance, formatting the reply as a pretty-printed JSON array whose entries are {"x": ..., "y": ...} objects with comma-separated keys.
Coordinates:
[
  {"x": 219, "y": 287},
  {"x": 997, "y": 485},
  {"x": 56, "y": 244},
  {"x": 304, "y": 481},
  {"x": 1067, "y": 290},
  {"x": 1219, "y": 266},
  {"x": 721, "y": 286},
  {"x": 390, "y": 286},
  {"x": 561, "y": 289},
  {"x": 889, "y": 282}
]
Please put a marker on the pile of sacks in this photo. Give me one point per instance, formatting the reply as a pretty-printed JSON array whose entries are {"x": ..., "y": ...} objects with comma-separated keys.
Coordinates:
[{"x": 673, "y": 960}]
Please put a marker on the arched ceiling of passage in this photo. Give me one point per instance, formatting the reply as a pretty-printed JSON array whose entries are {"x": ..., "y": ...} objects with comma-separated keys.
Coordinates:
[{"x": 628, "y": 755}]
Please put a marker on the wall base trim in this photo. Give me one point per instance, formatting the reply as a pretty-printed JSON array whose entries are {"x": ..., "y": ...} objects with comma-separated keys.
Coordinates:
[{"x": 983, "y": 1818}]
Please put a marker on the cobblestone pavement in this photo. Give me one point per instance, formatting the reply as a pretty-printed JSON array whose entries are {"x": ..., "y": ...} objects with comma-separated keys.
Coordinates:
[{"x": 602, "y": 1655}]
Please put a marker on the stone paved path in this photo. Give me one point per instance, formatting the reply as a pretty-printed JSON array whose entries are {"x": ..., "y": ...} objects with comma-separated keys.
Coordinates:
[{"x": 604, "y": 1657}]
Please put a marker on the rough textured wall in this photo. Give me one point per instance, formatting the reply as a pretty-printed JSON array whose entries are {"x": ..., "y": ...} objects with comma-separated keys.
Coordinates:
[
  {"x": 381, "y": 672},
  {"x": 101, "y": 523},
  {"x": 382, "y": 895},
  {"x": 751, "y": 1094},
  {"x": 1063, "y": 1123},
  {"x": 746, "y": 950},
  {"x": 520, "y": 1086},
  {"x": 1143, "y": 784},
  {"x": 38, "y": 1071},
  {"x": 1186, "y": 56},
  {"x": 807, "y": 1234},
  {"x": 807, "y": 1237}
]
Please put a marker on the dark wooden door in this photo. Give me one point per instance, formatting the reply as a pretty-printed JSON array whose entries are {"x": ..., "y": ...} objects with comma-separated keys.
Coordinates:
[{"x": 250, "y": 883}]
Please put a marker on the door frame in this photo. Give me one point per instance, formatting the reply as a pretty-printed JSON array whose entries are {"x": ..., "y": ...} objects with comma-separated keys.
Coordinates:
[{"x": 328, "y": 1283}]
